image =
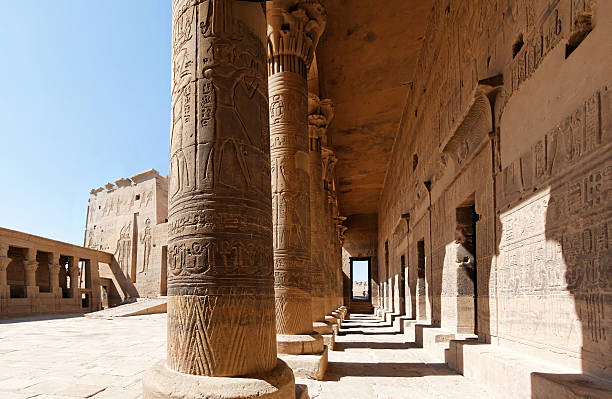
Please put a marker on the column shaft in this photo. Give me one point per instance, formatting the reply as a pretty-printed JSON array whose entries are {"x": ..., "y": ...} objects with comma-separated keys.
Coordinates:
[
  {"x": 220, "y": 281},
  {"x": 54, "y": 268},
  {"x": 320, "y": 114},
  {"x": 290, "y": 202},
  {"x": 4, "y": 262}
]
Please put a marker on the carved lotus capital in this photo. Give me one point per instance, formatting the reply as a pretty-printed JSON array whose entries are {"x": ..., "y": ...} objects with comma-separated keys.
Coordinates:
[
  {"x": 294, "y": 28},
  {"x": 4, "y": 262},
  {"x": 320, "y": 115}
]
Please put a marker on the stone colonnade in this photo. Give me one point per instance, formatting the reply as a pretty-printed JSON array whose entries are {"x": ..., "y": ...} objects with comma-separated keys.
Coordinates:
[{"x": 41, "y": 276}]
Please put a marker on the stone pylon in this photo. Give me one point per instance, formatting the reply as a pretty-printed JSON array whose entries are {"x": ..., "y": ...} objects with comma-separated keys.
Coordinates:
[
  {"x": 320, "y": 115},
  {"x": 221, "y": 323},
  {"x": 294, "y": 28}
]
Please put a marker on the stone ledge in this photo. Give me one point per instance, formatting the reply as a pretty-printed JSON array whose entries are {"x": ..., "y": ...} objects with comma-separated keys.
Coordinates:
[
  {"x": 308, "y": 366},
  {"x": 519, "y": 375},
  {"x": 399, "y": 323},
  {"x": 570, "y": 386},
  {"x": 306, "y": 344}
]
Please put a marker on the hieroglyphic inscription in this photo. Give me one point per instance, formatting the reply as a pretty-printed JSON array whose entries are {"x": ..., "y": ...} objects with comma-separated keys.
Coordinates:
[
  {"x": 537, "y": 44},
  {"x": 558, "y": 241}
]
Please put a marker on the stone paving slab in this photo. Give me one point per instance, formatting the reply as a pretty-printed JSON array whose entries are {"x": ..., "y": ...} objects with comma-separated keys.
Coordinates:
[{"x": 79, "y": 357}]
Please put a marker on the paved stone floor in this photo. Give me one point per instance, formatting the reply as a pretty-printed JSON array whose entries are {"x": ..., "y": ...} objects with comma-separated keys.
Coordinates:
[{"x": 77, "y": 357}]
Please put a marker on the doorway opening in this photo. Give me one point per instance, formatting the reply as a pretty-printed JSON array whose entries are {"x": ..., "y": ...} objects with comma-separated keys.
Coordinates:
[
  {"x": 163, "y": 286},
  {"x": 467, "y": 278},
  {"x": 420, "y": 290},
  {"x": 360, "y": 279},
  {"x": 402, "y": 285}
]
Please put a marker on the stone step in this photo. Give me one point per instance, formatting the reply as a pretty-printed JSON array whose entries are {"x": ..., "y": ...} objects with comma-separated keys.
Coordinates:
[
  {"x": 142, "y": 306},
  {"x": 520, "y": 376}
]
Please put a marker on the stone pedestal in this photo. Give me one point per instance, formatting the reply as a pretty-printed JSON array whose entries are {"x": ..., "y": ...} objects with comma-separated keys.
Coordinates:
[{"x": 221, "y": 332}]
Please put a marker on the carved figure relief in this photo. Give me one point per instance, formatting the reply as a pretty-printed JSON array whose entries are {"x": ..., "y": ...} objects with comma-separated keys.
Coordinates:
[
  {"x": 146, "y": 241},
  {"x": 123, "y": 251}
]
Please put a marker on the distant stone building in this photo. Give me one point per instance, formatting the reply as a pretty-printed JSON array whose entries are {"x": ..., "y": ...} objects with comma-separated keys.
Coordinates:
[{"x": 128, "y": 219}]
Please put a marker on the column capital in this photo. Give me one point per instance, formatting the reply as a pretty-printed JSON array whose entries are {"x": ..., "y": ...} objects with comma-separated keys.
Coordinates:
[
  {"x": 54, "y": 268},
  {"x": 320, "y": 115},
  {"x": 4, "y": 262},
  {"x": 3, "y": 249},
  {"x": 294, "y": 29},
  {"x": 73, "y": 270},
  {"x": 30, "y": 265}
]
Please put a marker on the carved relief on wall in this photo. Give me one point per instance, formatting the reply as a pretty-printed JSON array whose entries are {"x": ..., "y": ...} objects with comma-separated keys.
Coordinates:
[
  {"x": 146, "y": 239},
  {"x": 123, "y": 250}
]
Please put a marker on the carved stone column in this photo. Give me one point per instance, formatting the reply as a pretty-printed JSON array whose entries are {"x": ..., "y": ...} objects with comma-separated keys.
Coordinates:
[
  {"x": 293, "y": 33},
  {"x": 73, "y": 272},
  {"x": 30, "y": 266},
  {"x": 94, "y": 276},
  {"x": 5, "y": 289},
  {"x": 329, "y": 163},
  {"x": 54, "y": 269},
  {"x": 320, "y": 114},
  {"x": 221, "y": 338}
]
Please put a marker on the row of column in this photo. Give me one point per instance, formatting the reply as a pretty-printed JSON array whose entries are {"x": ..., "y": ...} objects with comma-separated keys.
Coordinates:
[
  {"x": 240, "y": 293},
  {"x": 30, "y": 265}
]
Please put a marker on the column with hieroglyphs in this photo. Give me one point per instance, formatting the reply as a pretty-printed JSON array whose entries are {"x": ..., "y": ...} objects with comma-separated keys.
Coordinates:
[
  {"x": 320, "y": 114},
  {"x": 294, "y": 29},
  {"x": 221, "y": 322}
]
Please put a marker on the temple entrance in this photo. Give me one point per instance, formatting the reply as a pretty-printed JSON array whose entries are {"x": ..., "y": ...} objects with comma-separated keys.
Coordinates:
[
  {"x": 467, "y": 287},
  {"x": 360, "y": 279}
]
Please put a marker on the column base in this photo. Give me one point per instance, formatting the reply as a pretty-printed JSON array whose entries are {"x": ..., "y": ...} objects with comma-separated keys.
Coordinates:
[
  {"x": 327, "y": 331},
  {"x": 301, "y": 391},
  {"x": 162, "y": 383},
  {"x": 334, "y": 320},
  {"x": 307, "y": 366},
  {"x": 302, "y": 344}
]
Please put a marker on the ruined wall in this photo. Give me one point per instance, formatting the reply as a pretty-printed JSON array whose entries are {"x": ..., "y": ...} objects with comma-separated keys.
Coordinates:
[
  {"x": 128, "y": 219},
  {"x": 511, "y": 113}
]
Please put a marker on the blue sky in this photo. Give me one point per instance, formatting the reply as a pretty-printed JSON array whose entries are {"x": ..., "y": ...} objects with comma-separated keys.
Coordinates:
[
  {"x": 85, "y": 100},
  {"x": 360, "y": 270}
]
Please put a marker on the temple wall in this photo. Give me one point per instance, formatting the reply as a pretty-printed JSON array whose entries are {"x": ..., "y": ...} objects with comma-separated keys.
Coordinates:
[
  {"x": 128, "y": 219},
  {"x": 511, "y": 114}
]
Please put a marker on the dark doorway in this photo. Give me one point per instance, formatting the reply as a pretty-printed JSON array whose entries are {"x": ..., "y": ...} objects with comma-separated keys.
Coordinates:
[
  {"x": 467, "y": 286},
  {"x": 163, "y": 286},
  {"x": 420, "y": 291},
  {"x": 360, "y": 279},
  {"x": 402, "y": 285}
]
